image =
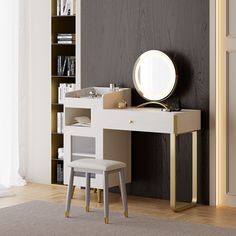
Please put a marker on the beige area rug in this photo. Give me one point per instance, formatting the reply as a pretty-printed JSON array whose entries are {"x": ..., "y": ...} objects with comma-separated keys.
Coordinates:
[{"x": 39, "y": 218}]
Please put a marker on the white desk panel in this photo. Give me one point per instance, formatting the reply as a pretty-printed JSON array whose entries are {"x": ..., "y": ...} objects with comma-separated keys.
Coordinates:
[{"x": 149, "y": 120}]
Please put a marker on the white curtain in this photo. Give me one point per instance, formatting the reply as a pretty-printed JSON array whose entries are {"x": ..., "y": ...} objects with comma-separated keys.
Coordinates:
[{"x": 10, "y": 70}]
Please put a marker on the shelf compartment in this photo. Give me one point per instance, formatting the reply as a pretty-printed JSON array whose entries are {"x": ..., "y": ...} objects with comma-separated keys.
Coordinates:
[
  {"x": 62, "y": 25},
  {"x": 57, "y": 142},
  {"x": 71, "y": 113},
  {"x": 61, "y": 51},
  {"x": 54, "y": 111},
  {"x": 54, "y": 88},
  {"x": 54, "y": 172}
]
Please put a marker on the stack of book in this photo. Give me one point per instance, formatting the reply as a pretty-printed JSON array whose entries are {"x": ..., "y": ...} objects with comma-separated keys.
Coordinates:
[
  {"x": 60, "y": 173},
  {"x": 66, "y": 38},
  {"x": 66, "y": 65},
  {"x": 66, "y": 7},
  {"x": 60, "y": 122},
  {"x": 63, "y": 89}
]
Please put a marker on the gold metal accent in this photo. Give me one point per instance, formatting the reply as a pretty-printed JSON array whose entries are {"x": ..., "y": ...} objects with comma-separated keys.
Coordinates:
[
  {"x": 126, "y": 213},
  {"x": 106, "y": 220},
  {"x": 87, "y": 208},
  {"x": 73, "y": 191},
  {"x": 174, "y": 124},
  {"x": 193, "y": 203},
  {"x": 166, "y": 108},
  {"x": 122, "y": 104},
  {"x": 99, "y": 195},
  {"x": 67, "y": 214}
]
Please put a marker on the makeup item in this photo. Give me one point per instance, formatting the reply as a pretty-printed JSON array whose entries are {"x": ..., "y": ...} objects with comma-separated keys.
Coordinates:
[
  {"x": 112, "y": 87},
  {"x": 122, "y": 104},
  {"x": 92, "y": 94}
]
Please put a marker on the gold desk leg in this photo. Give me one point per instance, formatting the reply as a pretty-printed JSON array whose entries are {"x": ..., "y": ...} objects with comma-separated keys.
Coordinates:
[
  {"x": 173, "y": 204},
  {"x": 73, "y": 191},
  {"x": 99, "y": 195}
]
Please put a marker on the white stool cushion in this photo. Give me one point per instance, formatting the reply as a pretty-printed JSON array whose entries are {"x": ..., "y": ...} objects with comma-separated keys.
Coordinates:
[{"x": 97, "y": 164}]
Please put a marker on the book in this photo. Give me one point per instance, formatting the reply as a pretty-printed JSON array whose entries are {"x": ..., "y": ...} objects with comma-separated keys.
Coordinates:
[
  {"x": 66, "y": 65},
  {"x": 66, "y": 37},
  {"x": 66, "y": 7},
  {"x": 59, "y": 60},
  {"x": 60, "y": 173},
  {"x": 65, "y": 42},
  {"x": 66, "y": 34},
  {"x": 58, "y": 7},
  {"x": 62, "y": 8},
  {"x": 60, "y": 122}
]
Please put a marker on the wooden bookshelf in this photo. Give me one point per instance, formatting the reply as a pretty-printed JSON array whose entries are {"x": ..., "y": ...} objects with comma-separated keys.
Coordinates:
[{"x": 59, "y": 25}]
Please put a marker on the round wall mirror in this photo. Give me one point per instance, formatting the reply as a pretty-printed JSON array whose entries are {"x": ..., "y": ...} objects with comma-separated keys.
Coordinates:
[{"x": 154, "y": 76}]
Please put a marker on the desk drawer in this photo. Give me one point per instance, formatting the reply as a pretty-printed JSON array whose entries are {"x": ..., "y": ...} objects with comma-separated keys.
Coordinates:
[{"x": 135, "y": 120}]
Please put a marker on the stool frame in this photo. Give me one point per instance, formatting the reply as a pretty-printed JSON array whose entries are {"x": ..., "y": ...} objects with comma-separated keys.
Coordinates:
[{"x": 105, "y": 174}]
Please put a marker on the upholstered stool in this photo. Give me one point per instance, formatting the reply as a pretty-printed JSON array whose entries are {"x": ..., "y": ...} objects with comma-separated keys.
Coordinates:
[{"x": 97, "y": 166}]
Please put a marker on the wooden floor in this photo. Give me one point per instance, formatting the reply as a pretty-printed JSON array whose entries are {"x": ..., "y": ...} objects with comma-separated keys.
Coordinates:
[{"x": 220, "y": 216}]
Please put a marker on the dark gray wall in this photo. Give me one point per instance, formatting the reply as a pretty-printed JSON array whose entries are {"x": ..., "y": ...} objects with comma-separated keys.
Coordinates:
[{"x": 114, "y": 34}]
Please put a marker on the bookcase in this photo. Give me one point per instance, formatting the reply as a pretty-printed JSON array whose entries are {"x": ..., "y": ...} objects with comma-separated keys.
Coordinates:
[{"x": 64, "y": 50}]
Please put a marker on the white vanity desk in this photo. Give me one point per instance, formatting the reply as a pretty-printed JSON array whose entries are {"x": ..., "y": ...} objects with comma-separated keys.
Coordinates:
[{"x": 109, "y": 135}]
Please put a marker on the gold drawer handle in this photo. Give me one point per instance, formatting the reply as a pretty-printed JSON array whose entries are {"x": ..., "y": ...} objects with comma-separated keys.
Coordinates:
[{"x": 131, "y": 121}]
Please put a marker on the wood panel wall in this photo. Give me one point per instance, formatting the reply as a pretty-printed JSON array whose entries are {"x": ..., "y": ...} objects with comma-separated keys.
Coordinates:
[{"x": 114, "y": 33}]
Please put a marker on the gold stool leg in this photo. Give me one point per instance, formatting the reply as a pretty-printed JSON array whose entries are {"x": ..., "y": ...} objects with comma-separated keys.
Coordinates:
[
  {"x": 106, "y": 220},
  {"x": 193, "y": 203},
  {"x": 67, "y": 214}
]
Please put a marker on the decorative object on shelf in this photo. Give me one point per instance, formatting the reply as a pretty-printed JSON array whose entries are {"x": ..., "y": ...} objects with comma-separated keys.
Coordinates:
[
  {"x": 66, "y": 65},
  {"x": 63, "y": 89},
  {"x": 60, "y": 152},
  {"x": 92, "y": 94},
  {"x": 122, "y": 104},
  {"x": 112, "y": 87},
  {"x": 83, "y": 121},
  {"x": 66, "y": 7},
  {"x": 155, "y": 78}
]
